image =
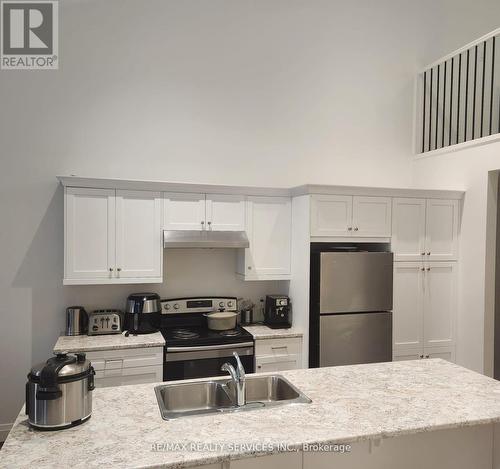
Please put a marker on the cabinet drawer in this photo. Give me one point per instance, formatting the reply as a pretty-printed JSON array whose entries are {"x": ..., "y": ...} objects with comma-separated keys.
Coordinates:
[
  {"x": 277, "y": 347},
  {"x": 125, "y": 358},
  {"x": 123, "y": 376},
  {"x": 268, "y": 363}
]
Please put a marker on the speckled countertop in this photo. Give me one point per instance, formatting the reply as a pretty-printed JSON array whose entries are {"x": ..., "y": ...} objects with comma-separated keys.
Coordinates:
[
  {"x": 349, "y": 403},
  {"x": 260, "y": 331},
  {"x": 85, "y": 343}
]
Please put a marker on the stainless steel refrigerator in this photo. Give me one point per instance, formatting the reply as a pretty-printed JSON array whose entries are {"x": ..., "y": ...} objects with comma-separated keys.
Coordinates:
[{"x": 350, "y": 306}]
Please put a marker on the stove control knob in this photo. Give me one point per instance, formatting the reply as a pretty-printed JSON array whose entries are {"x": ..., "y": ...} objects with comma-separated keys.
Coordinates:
[
  {"x": 221, "y": 304},
  {"x": 176, "y": 306},
  {"x": 230, "y": 304},
  {"x": 166, "y": 306},
  {"x": 282, "y": 302}
]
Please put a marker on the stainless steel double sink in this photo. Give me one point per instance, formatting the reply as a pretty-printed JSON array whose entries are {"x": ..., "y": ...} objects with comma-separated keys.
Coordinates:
[{"x": 219, "y": 395}]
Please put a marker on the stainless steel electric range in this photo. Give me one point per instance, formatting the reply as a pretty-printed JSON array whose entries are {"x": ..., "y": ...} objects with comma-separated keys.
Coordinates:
[{"x": 194, "y": 351}]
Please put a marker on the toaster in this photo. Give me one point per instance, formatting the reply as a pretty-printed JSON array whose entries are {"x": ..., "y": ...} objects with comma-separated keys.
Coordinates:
[{"x": 105, "y": 321}]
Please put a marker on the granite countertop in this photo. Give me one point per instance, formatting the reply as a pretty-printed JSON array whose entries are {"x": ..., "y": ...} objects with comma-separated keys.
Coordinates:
[
  {"x": 85, "y": 343},
  {"x": 260, "y": 331},
  {"x": 369, "y": 402}
]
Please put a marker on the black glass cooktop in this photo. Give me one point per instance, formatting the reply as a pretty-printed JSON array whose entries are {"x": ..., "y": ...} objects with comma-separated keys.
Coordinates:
[{"x": 191, "y": 336}]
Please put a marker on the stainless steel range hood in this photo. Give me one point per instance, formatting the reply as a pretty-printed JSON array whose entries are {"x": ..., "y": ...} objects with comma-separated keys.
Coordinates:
[{"x": 204, "y": 239}]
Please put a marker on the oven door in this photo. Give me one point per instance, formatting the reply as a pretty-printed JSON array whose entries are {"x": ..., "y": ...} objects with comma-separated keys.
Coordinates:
[{"x": 205, "y": 361}]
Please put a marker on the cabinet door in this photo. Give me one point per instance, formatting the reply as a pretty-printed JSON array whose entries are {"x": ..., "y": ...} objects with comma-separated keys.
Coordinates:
[
  {"x": 277, "y": 363},
  {"x": 371, "y": 216},
  {"x": 225, "y": 212},
  {"x": 183, "y": 211},
  {"x": 89, "y": 233},
  {"x": 269, "y": 232},
  {"x": 138, "y": 234},
  {"x": 441, "y": 230},
  {"x": 292, "y": 460},
  {"x": 408, "y": 307},
  {"x": 408, "y": 229},
  {"x": 446, "y": 353},
  {"x": 409, "y": 355},
  {"x": 439, "y": 304},
  {"x": 331, "y": 215}
]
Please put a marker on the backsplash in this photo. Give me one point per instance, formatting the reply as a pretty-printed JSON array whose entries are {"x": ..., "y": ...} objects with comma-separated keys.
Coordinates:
[{"x": 187, "y": 272}]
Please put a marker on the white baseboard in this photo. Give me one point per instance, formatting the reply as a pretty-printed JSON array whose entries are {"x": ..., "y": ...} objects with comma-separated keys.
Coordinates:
[{"x": 4, "y": 430}]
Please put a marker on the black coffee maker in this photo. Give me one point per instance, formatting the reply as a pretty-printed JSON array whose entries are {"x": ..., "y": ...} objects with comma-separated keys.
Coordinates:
[
  {"x": 142, "y": 314},
  {"x": 278, "y": 312}
]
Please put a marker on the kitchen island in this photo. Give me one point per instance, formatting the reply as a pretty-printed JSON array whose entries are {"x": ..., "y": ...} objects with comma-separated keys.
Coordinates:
[{"x": 375, "y": 415}]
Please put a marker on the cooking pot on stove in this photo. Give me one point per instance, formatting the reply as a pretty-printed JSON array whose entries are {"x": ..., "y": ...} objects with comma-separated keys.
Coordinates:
[
  {"x": 221, "y": 320},
  {"x": 59, "y": 392}
]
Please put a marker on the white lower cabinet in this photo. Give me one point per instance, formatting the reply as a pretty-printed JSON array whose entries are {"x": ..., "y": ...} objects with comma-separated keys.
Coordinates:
[
  {"x": 278, "y": 354},
  {"x": 424, "y": 310},
  {"x": 127, "y": 366}
]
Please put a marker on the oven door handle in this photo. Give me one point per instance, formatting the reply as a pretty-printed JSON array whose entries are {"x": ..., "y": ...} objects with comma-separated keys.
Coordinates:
[{"x": 202, "y": 348}]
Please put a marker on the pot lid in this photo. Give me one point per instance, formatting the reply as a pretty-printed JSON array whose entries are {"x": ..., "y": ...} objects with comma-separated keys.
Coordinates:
[
  {"x": 143, "y": 297},
  {"x": 66, "y": 365},
  {"x": 222, "y": 315}
]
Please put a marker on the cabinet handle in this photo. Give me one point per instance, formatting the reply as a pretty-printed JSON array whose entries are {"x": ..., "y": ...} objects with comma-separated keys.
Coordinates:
[
  {"x": 119, "y": 269},
  {"x": 202, "y": 224},
  {"x": 111, "y": 269},
  {"x": 428, "y": 253},
  {"x": 422, "y": 253},
  {"x": 428, "y": 268},
  {"x": 259, "y": 366},
  {"x": 349, "y": 228},
  {"x": 427, "y": 356},
  {"x": 209, "y": 225},
  {"x": 422, "y": 269},
  {"x": 249, "y": 267},
  {"x": 356, "y": 229},
  {"x": 421, "y": 356}
]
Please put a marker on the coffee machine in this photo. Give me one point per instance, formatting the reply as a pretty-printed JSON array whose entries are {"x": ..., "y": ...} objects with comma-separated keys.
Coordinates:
[
  {"x": 278, "y": 312},
  {"x": 142, "y": 313}
]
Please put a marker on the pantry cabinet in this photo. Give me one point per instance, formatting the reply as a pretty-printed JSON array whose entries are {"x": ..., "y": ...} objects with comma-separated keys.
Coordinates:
[
  {"x": 112, "y": 236},
  {"x": 356, "y": 216},
  {"x": 221, "y": 212},
  {"x": 268, "y": 227},
  {"x": 425, "y": 229},
  {"x": 424, "y": 310}
]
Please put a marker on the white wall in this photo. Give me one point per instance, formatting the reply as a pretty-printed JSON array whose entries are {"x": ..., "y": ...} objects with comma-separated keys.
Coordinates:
[
  {"x": 262, "y": 92},
  {"x": 467, "y": 169}
]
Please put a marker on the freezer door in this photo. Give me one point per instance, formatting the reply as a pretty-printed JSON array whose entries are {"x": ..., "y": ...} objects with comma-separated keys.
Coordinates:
[
  {"x": 355, "y": 282},
  {"x": 349, "y": 339}
]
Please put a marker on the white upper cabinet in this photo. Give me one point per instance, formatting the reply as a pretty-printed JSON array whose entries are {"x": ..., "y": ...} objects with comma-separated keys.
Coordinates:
[
  {"x": 89, "y": 237},
  {"x": 408, "y": 228},
  {"x": 183, "y": 211},
  {"x": 331, "y": 215},
  {"x": 225, "y": 212},
  {"x": 439, "y": 304},
  {"x": 138, "y": 234},
  {"x": 442, "y": 230},
  {"x": 268, "y": 226},
  {"x": 218, "y": 212},
  {"x": 408, "y": 306},
  {"x": 112, "y": 237},
  {"x": 425, "y": 229},
  {"x": 335, "y": 215},
  {"x": 371, "y": 216}
]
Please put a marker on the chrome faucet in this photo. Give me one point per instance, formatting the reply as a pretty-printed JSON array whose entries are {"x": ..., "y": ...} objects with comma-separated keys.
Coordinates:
[{"x": 238, "y": 378}]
